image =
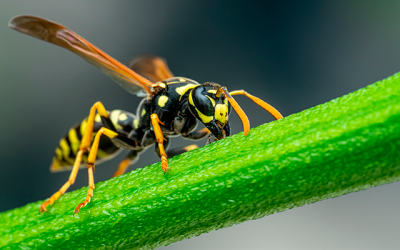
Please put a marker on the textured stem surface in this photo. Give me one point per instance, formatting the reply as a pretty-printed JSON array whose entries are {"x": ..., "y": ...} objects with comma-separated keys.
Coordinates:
[{"x": 345, "y": 145}]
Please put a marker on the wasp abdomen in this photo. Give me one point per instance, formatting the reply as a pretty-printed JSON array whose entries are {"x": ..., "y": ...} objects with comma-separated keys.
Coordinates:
[{"x": 68, "y": 146}]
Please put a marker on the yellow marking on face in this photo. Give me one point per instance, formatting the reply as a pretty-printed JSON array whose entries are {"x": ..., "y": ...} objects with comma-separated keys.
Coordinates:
[
  {"x": 212, "y": 91},
  {"x": 122, "y": 117},
  {"x": 181, "y": 80},
  {"x": 204, "y": 118},
  {"x": 114, "y": 118},
  {"x": 226, "y": 101},
  {"x": 65, "y": 150},
  {"x": 221, "y": 113},
  {"x": 162, "y": 100},
  {"x": 97, "y": 118},
  {"x": 191, "y": 98},
  {"x": 212, "y": 100},
  {"x": 143, "y": 112},
  {"x": 182, "y": 90},
  {"x": 136, "y": 123},
  {"x": 73, "y": 139}
]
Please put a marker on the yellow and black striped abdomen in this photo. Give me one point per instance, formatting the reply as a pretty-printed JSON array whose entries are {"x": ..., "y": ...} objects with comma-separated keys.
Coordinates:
[{"x": 68, "y": 147}]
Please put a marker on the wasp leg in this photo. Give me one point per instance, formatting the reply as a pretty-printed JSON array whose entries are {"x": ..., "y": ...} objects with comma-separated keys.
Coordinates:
[
  {"x": 197, "y": 135},
  {"x": 131, "y": 158},
  {"x": 64, "y": 188},
  {"x": 84, "y": 147},
  {"x": 123, "y": 165},
  {"x": 87, "y": 137},
  {"x": 160, "y": 140},
  {"x": 166, "y": 143},
  {"x": 90, "y": 163},
  {"x": 275, "y": 113},
  {"x": 177, "y": 151}
]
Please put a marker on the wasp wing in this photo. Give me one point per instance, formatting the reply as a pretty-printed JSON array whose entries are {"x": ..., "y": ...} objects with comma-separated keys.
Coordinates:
[
  {"x": 59, "y": 35},
  {"x": 151, "y": 67}
]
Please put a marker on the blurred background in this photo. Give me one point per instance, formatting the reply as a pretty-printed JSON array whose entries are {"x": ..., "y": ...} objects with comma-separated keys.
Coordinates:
[{"x": 293, "y": 54}]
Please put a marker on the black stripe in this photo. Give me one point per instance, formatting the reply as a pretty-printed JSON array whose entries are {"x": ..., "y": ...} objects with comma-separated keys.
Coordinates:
[
  {"x": 71, "y": 152},
  {"x": 78, "y": 132}
]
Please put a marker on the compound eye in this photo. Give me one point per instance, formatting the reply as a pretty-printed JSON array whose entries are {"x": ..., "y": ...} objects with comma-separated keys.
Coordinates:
[{"x": 202, "y": 102}]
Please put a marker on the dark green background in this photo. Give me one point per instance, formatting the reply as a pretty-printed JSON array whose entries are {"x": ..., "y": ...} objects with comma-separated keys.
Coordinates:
[{"x": 292, "y": 54}]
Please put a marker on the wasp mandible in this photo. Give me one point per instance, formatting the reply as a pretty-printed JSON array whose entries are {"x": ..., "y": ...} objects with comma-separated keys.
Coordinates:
[{"x": 171, "y": 107}]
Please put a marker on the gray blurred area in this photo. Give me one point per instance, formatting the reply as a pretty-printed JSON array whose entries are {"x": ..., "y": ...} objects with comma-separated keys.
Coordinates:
[{"x": 293, "y": 54}]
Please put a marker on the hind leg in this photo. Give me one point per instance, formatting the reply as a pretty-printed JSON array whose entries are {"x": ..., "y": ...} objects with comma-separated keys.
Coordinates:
[
  {"x": 130, "y": 159},
  {"x": 64, "y": 188},
  {"x": 83, "y": 148},
  {"x": 118, "y": 139}
]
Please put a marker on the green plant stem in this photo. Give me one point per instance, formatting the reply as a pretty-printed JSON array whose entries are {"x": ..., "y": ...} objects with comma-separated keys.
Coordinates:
[{"x": 345, "y": 145}]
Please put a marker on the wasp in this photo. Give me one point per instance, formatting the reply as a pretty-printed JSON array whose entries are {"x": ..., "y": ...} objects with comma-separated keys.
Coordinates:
[{"x": 171, "y": 107}]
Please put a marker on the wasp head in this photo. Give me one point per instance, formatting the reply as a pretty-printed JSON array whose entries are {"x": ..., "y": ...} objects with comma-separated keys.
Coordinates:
[{"x": 211, "y": 109}]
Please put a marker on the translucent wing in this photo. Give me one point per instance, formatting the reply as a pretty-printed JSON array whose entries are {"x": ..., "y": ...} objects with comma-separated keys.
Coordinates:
[
  {"x": 59, "y": 35},
  {"x": 152, "y": 67}
]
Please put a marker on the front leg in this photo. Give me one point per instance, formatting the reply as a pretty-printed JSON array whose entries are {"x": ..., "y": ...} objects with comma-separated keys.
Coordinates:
[{"x": 160, "y": 140}]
